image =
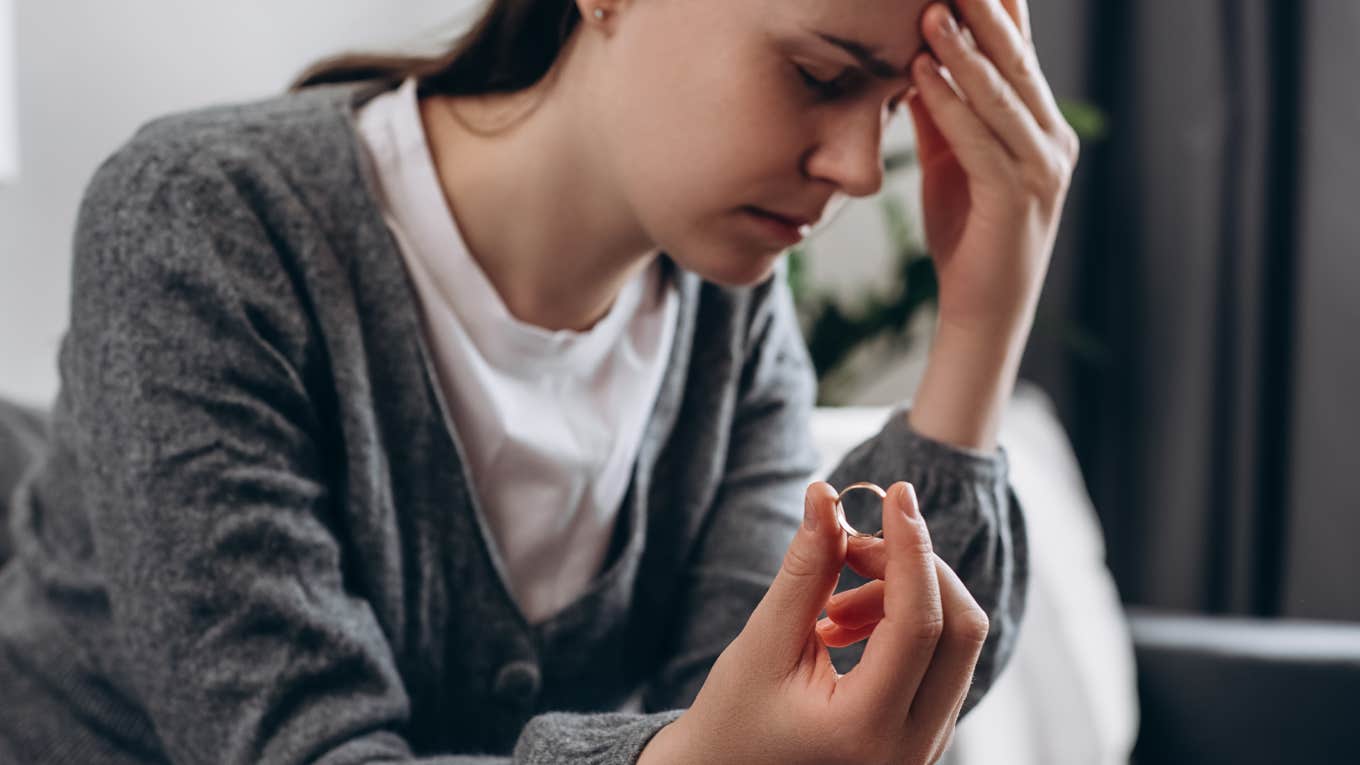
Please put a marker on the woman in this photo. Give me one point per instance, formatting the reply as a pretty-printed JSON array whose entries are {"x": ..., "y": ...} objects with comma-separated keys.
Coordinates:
[{"x": 388, "y": 431}]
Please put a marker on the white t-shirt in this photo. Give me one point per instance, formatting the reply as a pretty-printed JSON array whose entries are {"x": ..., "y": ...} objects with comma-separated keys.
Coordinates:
[{"x": 549, "y": 421}]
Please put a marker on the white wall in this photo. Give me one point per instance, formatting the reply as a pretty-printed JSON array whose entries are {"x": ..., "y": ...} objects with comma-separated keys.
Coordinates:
[
  {"x": 91, "y": 71},
  {"x": 9, "y": 146}
]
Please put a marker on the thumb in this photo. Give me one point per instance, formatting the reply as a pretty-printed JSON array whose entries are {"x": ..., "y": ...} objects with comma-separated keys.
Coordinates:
[{"x": 786, "y": 616}]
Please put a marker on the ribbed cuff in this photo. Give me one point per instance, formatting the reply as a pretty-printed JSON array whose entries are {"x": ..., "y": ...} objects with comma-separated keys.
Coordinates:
[
  {"x": 900, "y": 439},
  {"x": 598, "y": 739}
]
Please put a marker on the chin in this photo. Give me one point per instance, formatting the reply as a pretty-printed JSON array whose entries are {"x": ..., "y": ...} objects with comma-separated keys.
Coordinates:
[{"x": 727, "y": 265}]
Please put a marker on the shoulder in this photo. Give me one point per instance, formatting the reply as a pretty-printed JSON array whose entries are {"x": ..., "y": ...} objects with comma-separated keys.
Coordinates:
[
  {"x": 218, "y": 213},
  {"x": 234, "y": 157},
  {"x": 225, "y": 183},
  {"x": 288, "y": 128}
]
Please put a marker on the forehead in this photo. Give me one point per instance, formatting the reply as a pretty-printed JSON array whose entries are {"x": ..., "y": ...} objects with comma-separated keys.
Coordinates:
[{"x": 891, "y": 28}]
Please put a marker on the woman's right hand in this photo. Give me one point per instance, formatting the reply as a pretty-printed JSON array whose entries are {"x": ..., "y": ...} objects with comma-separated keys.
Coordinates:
[{"x": 773, "y": 695}]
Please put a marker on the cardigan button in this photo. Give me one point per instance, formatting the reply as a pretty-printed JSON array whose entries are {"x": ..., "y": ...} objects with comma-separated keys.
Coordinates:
[{"x": 518, "y": 682}]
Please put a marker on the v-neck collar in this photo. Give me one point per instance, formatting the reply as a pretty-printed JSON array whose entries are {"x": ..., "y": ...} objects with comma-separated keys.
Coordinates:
[{"x": 659, "y": 425}]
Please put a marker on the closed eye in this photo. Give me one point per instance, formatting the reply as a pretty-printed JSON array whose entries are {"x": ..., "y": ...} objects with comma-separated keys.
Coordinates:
[
  {"x": 827, "y": 89},
  {"x": 839, "y": 86}
]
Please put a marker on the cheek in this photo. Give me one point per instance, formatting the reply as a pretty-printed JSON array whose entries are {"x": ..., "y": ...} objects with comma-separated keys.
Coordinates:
[{"x": 703, "y": 130}]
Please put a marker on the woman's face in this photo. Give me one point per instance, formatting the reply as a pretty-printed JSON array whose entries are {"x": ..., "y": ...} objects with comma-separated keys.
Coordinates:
[{"x": 714, "y": 114}]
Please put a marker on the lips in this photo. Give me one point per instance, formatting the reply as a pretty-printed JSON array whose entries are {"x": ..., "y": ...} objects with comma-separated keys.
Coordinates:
[
  {"x": 796, "y": 221},
  {"x": 776, "y": 229}
]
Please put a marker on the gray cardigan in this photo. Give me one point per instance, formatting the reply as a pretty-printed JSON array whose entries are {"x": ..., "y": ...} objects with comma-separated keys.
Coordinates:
[{"x": 252, "y": 540}]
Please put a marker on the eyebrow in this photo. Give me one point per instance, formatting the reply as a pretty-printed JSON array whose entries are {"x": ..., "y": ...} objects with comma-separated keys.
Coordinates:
[{"x": 866, "y": 56}]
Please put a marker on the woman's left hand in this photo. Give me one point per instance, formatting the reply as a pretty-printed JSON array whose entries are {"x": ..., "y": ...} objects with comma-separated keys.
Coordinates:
[{"x": 996, "y": 163}]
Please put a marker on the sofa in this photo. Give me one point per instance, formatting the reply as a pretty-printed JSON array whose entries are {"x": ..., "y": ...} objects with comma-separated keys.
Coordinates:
[{"x": 1087, "y": 669}]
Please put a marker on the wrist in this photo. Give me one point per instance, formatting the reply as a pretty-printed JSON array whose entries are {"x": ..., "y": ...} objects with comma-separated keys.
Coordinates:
[
  {"x": 991, "y": 325},
  {"x": 969, "y": 377}
]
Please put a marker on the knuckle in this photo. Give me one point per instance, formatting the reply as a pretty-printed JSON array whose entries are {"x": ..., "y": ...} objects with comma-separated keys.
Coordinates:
[
  {"x": 1071, "y": 143},
  {"x": 971, "y": 627},
  {"x": 997, "y": 94},
  {"x": 930, "y": 629},
  {"x": 1023, "y": 64},
  {"x": 1050, "y": 175},
  {"x": 1063, "y": 174},
  {"x": 798, "y": 564}
]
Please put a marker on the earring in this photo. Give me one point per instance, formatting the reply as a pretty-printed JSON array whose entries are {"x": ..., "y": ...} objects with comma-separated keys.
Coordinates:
[{"x": 598, "y": 14}]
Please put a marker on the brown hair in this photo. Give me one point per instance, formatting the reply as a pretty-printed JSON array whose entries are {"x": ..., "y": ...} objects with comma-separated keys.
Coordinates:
[{"x": 512, "y": 46}]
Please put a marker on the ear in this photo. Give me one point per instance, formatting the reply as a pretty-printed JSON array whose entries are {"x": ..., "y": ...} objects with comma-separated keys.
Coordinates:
[{"x": 598, "y": 11}]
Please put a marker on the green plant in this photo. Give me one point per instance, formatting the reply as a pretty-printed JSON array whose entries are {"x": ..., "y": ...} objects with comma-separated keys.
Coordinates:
[{"x": 832, "y": 331}]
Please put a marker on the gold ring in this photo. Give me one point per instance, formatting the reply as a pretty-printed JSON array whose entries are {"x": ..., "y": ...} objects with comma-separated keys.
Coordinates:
[{"x": 840, "y": 509}]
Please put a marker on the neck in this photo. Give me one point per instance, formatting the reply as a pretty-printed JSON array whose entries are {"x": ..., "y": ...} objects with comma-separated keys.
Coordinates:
[{"x": 534, "y": 202}]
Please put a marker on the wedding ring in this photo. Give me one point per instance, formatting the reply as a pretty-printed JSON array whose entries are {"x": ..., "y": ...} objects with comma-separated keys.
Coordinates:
[{"x": 840, "y": 509}]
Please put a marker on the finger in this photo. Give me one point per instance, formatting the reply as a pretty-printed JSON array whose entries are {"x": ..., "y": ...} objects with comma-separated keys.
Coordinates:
[
  {"x": 999, "y": 36},
  {"x": 1018, "y": 10},
  {"x": 901, "y": 647},
  {"x": 987, "y": 91},
  {"x": 866, "y": 556},
  {"x": 783, "y": 620},
  {"x": 836, "y": 636},
  {"x": 978, "y": 151},
  {"x": 930, "y": 142},
  {"x": 948, "y": 740},
  {"x": 858, "y": 607},
  {"x": 946, "y": 683}
]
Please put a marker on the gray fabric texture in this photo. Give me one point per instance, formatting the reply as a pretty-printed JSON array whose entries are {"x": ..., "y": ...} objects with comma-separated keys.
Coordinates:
[
  {"x": 22, "y": 439},
  {"x": 252, "y": 541}
]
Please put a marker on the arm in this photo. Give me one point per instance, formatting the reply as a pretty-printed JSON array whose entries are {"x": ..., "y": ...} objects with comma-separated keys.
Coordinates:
[
  {"x": 969, "y": 377},
  {"x": 1007, "y": 142},
  {"x": 207, "y": 485}
]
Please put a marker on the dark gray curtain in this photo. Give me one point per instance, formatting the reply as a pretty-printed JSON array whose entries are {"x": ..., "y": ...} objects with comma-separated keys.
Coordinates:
[{"x": 1208, "y": 273}]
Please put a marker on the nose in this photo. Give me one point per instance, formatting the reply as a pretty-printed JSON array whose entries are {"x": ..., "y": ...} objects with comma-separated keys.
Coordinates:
[{"x": 849, "y": 154}]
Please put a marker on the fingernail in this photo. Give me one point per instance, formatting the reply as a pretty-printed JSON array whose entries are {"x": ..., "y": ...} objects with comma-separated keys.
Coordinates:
[
  {"x": 908, "y": 499},
  {"x": 824, "y": 624},
  {"x": 809, "y": 514},
  {"x": 948, "y": 25}
]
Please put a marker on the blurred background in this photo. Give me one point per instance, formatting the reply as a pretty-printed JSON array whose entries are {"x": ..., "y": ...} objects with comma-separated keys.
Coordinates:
[
  {"x": 1196, "y": 345},
  {"x": 1210, "y": 247}
]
